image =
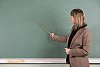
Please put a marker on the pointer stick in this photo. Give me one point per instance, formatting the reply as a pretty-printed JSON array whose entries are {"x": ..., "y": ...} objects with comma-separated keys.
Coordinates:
[{"x": 45, "y": 29}]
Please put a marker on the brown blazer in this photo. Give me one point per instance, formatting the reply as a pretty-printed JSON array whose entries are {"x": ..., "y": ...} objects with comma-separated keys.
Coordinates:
[{"x": 80, "y": 46}]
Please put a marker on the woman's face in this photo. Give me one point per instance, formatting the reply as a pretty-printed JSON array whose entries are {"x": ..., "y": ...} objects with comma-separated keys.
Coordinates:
[{"x": 72, "y": 19}]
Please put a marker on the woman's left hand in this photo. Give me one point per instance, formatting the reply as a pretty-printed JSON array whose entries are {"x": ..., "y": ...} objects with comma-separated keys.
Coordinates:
[{"x": 67, "y": 50}]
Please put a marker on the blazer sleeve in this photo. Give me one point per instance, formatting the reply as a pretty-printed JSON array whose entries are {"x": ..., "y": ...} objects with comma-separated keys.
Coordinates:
[
  {"x": 84, "y": 51},
  {"x": 60, "y": 38}
]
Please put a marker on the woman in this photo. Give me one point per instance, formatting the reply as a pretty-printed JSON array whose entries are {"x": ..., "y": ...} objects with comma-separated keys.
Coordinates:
[{"x": 78, "y": 41}]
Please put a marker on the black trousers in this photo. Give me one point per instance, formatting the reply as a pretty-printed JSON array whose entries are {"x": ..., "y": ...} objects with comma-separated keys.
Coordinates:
[{"x": 67, "y": 60}]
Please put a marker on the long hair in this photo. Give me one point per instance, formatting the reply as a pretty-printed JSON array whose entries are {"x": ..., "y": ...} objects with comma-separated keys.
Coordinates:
[{"x": 78, "y": 17}]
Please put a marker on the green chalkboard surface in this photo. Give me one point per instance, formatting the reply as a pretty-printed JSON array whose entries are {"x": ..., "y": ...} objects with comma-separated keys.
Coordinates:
[{"x": 22, "y": 37}]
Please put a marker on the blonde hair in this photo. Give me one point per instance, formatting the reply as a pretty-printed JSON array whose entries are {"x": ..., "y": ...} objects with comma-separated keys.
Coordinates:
[{"x": 78, "y": 17}]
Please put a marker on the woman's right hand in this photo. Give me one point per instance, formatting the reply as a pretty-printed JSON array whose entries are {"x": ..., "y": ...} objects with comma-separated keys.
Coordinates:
[
  {"x": 52, "y": 35},
  {"x": 55, "y": 37}
]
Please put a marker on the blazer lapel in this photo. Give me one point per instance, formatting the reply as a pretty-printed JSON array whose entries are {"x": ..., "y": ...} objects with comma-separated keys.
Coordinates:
[{"x": 76, "y": 35}]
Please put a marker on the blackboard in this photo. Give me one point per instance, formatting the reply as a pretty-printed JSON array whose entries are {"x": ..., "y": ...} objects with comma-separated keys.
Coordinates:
[{"x": 22, "y": 37}]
